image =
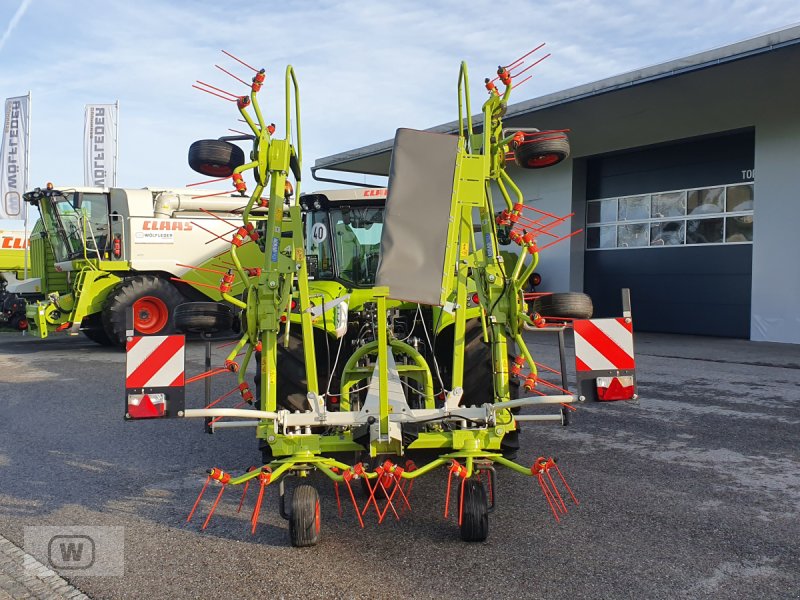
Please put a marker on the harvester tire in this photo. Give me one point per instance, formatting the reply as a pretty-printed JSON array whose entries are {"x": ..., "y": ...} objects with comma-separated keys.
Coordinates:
[
  {"x": 538, "y": 154},
  {"x": 215, "y": 158},
  {"x": 569, "y": 305},
  {"x": 305, "y": 519},
  {"x": 94, "y": 330},
  {"x": 203, "y": 317},
  {"x": 153, "y": 299},
  {"x": 475, "y": 515}
]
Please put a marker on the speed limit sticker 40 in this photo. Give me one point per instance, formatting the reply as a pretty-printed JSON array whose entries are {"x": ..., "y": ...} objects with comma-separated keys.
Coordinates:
[{"x": 319, "y": 232}]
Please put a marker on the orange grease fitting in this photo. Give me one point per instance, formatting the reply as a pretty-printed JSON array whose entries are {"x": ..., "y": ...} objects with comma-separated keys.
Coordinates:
[{"x": 541, "y": 470}]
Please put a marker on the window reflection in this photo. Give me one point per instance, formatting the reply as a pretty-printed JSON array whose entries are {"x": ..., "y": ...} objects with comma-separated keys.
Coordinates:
[
  {"x": 670, "y": 204},
  {"x": 704, "y": 231},
  {"x": 634, "y": 208},
  {"x": 667, "y": 233},
  {"x": 704, "y": 202},
  {"x": 739, "y": 229},
  {"x": 635, "y": 234}
]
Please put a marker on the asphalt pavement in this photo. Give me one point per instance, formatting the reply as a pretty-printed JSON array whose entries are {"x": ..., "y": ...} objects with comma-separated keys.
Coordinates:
[{"x": 694, "y": 492}]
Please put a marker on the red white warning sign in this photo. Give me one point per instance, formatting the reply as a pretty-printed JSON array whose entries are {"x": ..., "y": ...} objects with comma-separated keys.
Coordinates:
[
  {"x": 154, "y": 377},
  {"x": 604, "y": 345},
  {"x": 155, "y": 361}
]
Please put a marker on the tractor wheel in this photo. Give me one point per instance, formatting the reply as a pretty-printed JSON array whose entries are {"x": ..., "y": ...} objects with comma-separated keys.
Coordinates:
[
  {"x": 291, "y": 380},
  {"x": 538, "y": 154},
  {"x": 18, "y": 322},
  {"x": 292, "y": 387},
  {"x": 203, "y": 317},
  {"x": 478, "y": 384},
  {"x": 569, "y": 305},
  {"x": 475, "y": 515},
  {"x": 215, "y": 158},
  {"x": 94, "y": 330},
  {"x": 153, "y": 301},
  {"x": 305, "y": 519}
]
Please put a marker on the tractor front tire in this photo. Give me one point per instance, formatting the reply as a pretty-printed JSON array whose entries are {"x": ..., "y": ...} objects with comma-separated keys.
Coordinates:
[
  {"x": 215, "y": 158},
  {"x": 305, "y": 519},
  {"x": 153, "y": 300},
  {"x": 94, "y": 330}
]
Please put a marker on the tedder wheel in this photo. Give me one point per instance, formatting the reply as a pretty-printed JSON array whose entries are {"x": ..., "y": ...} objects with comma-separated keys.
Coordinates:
[
  {"x": 215, "y": 158},
  {"x": 305, "y": 519},
  {"x": 93, "y": 329},
  {"x": 569, "y": 305},
  {"x": 203, "y": 317},
  {"x": 475, "y": 515},
  {"x": 538, "y": 154},
  {"x": 153, "y": 300}
]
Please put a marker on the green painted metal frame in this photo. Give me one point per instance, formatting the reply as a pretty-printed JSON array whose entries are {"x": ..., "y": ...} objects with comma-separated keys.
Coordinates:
[{"x": 480, "y": 163}]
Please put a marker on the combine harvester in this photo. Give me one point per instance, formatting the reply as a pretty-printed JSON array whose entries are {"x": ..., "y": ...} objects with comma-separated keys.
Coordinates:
[{"x": 392, "y": 395}]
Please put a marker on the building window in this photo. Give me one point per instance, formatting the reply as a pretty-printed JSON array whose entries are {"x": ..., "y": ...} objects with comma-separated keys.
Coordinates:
[{"x": 713, "y": 215}]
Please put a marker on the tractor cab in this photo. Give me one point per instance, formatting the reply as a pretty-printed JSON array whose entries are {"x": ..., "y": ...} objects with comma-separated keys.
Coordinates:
[
  {"x": 343, "y": 234},
  {"x": 77, "y": 222}
]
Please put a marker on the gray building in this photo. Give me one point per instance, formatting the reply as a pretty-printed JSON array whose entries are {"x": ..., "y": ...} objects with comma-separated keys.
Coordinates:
[{"x": 685, "y": 177}]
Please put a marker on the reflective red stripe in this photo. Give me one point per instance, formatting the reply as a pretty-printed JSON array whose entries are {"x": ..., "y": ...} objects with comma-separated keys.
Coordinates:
[
  {"x": 153, "y": 363},
  {"x": 606, "y": 346},
  {"x": 134, "y": 340}
]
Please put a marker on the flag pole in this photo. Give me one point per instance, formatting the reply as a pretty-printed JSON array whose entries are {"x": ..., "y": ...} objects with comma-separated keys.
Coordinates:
[
  {"x": 116, "y": 143},
  {"x": 25, "y": 244}
]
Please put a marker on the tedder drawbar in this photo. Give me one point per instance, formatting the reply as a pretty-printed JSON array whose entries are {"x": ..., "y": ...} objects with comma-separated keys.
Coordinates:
[{"x": 390, "y": 395}]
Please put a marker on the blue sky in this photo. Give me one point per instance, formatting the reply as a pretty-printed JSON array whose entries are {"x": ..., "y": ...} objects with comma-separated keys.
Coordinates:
[{"x": 365, "y": 68}]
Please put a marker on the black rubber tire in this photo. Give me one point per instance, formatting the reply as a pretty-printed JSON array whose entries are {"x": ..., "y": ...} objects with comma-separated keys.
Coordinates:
[
  {"x": 126, "y": 293},
  {"x": 478, "y": 384},
  {"x": 215, "y": 158},
  {"x": 203, "y": 317},
  {"x": 291, "y": 380},
  {"x": 539, "y": 154},
  {"x": 569, "y": 305},
  {"x": 305, "y": 518},
  {"x": 93, "y": 329},
  {"x": 475, "y": 515}
]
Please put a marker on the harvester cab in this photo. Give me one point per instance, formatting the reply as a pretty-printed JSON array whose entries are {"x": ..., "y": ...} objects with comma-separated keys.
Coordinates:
[{"x": 435, "y": 368}]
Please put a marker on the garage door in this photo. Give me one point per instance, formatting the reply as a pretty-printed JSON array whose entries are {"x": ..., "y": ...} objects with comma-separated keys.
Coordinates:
[{"x": 674, "y": 223}]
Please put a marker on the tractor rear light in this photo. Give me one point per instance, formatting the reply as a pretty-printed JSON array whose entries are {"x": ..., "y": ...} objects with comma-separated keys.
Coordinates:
[
  {"x": 476, "y": 299},
  {"x": 147, "y": 406},
  {"x": 294, "y": 304},
  {"x": 615, "y": 388}
]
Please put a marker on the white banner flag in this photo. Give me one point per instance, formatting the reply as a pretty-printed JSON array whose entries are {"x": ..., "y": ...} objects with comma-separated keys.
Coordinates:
[
  {"x": 14, "y": 160},
  {"x": 100, "y": 145}
]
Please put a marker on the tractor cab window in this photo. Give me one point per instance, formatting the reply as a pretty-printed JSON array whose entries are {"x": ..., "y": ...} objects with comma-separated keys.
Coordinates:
[
  {"x": 318, "y": 245},
  {"x": 81, "y": 222},
  {"x": 68, "y": 241},
  {"x": 94, "y": 208},
  {"x": 356, "y": 236}
]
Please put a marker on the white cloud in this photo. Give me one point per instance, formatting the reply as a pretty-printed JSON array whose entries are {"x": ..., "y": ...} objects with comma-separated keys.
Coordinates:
[{"x": 14, "y": 22}]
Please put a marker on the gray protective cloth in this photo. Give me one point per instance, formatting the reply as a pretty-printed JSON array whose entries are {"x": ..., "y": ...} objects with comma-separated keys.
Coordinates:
[{"x": 414, "y": 236}]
